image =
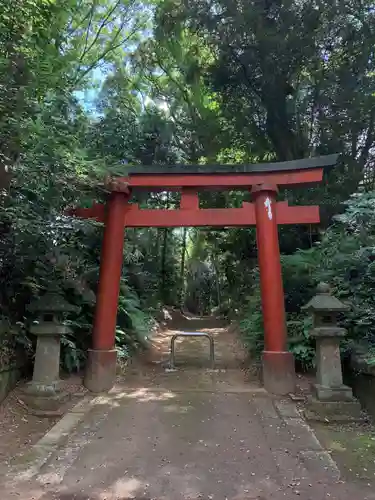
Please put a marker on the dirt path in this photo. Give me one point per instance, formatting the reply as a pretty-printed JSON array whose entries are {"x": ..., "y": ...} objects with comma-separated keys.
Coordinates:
[{"x": 190, "y": 434}]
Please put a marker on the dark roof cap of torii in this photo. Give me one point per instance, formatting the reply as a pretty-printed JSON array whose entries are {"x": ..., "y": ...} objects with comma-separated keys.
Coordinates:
[{"x": 303, "y": 164}]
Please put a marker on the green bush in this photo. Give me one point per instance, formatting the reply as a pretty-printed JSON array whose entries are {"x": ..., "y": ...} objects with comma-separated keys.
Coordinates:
[
  {"x": 251, "y": 325},
  {"x": 133, "y": 324},
  {"x": 298, "y": 327}
]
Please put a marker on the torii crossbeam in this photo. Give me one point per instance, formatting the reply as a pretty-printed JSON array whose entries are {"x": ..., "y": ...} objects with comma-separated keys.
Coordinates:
[{"x": 263, "y": 181}]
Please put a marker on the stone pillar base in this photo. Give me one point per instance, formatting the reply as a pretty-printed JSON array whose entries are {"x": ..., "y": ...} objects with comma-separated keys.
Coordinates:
[
  {"x": 101, "y": 370},
  {"x": 334, "y": 411},
  {"x": 333, "y": 404},
  {"x": 44, "y": 400},
  {"x": 323, "y": 393},
  {"x": 278, "y": 372}
]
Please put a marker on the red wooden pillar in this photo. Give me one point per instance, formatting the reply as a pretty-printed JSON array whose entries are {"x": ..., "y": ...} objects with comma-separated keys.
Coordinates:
[
  {"x": 278, "y": 364},
  {"x": 101, "y": 367}
]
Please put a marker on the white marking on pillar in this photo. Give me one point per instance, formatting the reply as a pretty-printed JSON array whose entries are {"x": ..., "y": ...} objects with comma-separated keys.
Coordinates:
[{"x": 268, "y": 205}]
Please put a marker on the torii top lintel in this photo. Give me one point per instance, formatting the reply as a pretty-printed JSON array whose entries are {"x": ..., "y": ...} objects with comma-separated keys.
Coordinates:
[
  {"x": 190, "y": 179},
  {"x": 289, "y": 173}
]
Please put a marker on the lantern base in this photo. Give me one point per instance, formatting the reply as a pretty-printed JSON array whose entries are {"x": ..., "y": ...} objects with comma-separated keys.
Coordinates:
[
  {"x": 278, "y": 372},
  {"x": 324, "y": 393},
  {"x": 101, "y": 370},
  {"x": 44, "y": 400},
  {"x": 333, "y": 411}
]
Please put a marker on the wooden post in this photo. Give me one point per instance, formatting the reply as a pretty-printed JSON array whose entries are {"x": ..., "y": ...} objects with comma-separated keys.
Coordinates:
[
  {"x": 278, "y": 364},
  {"x": 101, "y": 369}
]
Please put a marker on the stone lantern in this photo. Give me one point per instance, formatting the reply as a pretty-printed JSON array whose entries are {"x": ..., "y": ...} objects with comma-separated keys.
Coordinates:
[
  {"x": 332, "y": 400},
  {"x": 43, "y": 394}
]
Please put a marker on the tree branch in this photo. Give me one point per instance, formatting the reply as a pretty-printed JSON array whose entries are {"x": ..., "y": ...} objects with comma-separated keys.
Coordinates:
[
  {"x": 112, "y": 48},
  {"x": 91, "y": 15},
  {"x": 369, "y": 138},
  {"x": 101, "y": 27},
  {"x": 77, "y": 10}
]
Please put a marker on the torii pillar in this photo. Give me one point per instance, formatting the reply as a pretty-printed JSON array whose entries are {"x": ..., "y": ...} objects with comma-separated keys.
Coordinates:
[
  {"x": 101, "y": 363},
  {"x": 278, "y": 369}
]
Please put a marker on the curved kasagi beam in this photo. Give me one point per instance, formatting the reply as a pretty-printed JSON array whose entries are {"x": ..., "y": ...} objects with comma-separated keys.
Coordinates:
[{"x": 289, "y": 173}]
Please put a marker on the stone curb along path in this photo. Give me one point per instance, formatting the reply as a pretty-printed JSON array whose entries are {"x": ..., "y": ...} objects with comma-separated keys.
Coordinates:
[
  {"x": 303, "y": 457},
  {"x": 302, "y": 460},
  {"x": 310, "y": 451},
  {"x": 27, "y": 465}
]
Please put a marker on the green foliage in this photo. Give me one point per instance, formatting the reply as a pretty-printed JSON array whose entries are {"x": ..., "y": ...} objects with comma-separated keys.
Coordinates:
[
  {"x": 45, "y": 135},
  {"x": 275, "y": 66},
  {"x": 298, "y": 327},
  {"x": 251, "y": 325},
  {"x": 133, "y": 324},
  {"x": 299, "y": 341},
  {"x": 345, "y": 259}
]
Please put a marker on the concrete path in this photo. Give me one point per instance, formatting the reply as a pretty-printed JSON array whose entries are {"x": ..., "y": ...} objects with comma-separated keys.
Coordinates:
[{"x": 191, "y": 434}]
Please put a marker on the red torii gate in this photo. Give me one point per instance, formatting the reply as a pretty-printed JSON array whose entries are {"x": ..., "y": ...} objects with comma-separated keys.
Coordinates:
[{"x": 262, "y": 180}]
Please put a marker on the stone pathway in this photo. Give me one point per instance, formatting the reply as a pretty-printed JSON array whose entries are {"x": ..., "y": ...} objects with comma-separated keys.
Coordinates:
[{"x": 191, "y": 434}]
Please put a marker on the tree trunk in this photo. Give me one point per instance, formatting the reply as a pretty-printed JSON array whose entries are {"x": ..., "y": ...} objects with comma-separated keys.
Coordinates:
[
  {"x": 182, "y": 269},
  {"x": 217, "y": 279},
  {"x": 163, "y": 290},
  {"x": 163, "y": 265}
]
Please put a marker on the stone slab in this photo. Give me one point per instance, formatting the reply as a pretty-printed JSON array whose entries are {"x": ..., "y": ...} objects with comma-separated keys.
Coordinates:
[
  {"x": 321, "y": 462},
  {"x": 44, "y": 405},
  {"x": 62, "y": 429},
  {"x": 287, "y": 409},
  {"x": 302, "y": 434},
  {"x": 277, "y": 435},
  {"x": 334, "y": 411},
  {"x": 27, "y": 465},
  {"x": 265, "y": 408},
  {"x": 322, "y": 393}
]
